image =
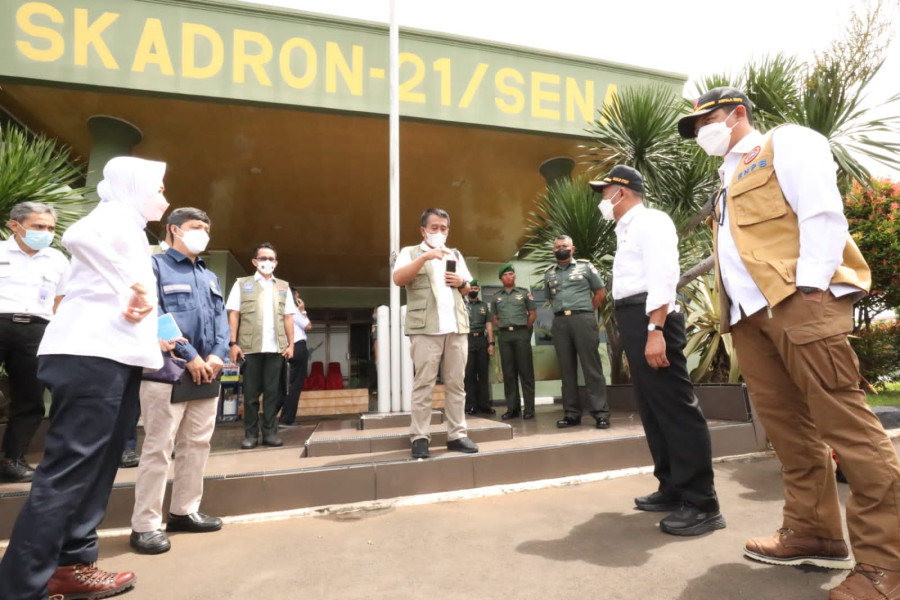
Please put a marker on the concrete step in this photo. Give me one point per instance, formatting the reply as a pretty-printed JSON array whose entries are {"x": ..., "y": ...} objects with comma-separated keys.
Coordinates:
[
  {"x": 401, "y": 419},
  {"x": 334, "y": 438}
]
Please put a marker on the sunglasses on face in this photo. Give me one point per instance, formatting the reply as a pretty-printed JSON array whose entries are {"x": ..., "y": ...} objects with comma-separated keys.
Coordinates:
[{"x": 266, "y": 258}]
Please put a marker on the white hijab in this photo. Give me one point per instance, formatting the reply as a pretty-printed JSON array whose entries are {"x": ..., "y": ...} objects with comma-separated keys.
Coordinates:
[{"x": 131, "y": 181}]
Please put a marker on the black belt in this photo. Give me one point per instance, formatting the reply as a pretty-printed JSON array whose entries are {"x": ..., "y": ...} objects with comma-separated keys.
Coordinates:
[
  {"x": 513, "y": 327},
  {"x": 631, "y": 300},
  {"x": 23, "y": 318},
  {"x": 566, "y": 313},
  {"x": 476, "y": 333}
]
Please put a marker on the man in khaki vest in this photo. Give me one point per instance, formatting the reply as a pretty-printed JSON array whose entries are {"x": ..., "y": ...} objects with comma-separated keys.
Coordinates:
[
  {"x": 260, "y": 312},
  {"x": 788, "y": 274},
  {"x": 437, "y": 323}
]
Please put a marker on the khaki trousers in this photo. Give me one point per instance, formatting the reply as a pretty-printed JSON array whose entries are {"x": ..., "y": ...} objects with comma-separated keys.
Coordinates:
[
  {"x": 428, "y": 353},
  {"x": 188, "y": 426},
  {"x": 803, "y": 378}
]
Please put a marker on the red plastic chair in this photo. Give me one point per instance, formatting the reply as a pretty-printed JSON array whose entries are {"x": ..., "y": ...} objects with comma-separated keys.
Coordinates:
[
  {"x": 334, "y": 380},
  {"x": 316, "y": 378}
]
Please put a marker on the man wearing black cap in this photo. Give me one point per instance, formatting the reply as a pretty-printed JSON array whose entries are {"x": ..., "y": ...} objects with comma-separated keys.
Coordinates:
[
  {"x": 645, "y": 273},
  {"x": 514, "y": 313},
  {"x": 481, "y": 348},
  {"x": 575, "y": 291},
  {"x": 788, "y": 274}
]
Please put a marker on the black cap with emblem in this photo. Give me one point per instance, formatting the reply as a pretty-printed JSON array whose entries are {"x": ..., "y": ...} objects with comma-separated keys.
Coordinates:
[{"x": 714, "y": 99}]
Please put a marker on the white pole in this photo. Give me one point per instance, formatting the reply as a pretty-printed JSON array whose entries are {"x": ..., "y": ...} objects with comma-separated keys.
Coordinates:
[
  {"x": 395, "y": 202},
  {"x": 406, "y": 369},
  {"x": 383, "y": 343}
]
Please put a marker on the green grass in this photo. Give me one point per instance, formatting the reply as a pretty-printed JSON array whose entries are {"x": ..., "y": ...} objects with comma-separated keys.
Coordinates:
[{"x": 887, "y": 397}]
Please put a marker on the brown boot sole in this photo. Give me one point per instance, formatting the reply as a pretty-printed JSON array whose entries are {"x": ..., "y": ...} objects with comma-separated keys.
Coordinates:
[{"x": 816, "y": 561}]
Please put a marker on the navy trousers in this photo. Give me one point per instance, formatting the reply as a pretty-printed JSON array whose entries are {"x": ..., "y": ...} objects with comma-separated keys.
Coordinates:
[{"x": 93, "y": 402}]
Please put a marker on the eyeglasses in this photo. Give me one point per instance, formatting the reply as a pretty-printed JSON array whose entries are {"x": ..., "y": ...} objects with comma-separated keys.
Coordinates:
[
  {"x": 266, "y": 258},
  {"x": 719, "y": 206}
]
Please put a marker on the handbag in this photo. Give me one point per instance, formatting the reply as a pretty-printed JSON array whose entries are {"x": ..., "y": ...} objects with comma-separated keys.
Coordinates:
[{"x": 172, "y": 371}]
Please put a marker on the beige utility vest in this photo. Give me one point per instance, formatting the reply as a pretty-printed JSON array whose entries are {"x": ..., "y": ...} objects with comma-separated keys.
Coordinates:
[
  {"x": 767, "y": 234},
  {"x": 421, "y": 301},
  {"x": 250, "y": 332}
]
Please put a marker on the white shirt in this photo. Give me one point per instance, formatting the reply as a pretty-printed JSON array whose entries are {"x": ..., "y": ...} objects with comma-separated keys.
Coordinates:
[
  {"x": 30, "y": 283},
  {"x": 646, "y": 257},
  {"x": 110, "y": 253},
  {"x": 300, "y": 323},
  {"x": 807, "y": 175},
  {"x": 269, "y": 339},
  {"x": 445, "y": 302}
]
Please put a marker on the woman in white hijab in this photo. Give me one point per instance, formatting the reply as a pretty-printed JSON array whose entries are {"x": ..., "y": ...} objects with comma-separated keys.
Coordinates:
[{"x": 91, "y": 358}]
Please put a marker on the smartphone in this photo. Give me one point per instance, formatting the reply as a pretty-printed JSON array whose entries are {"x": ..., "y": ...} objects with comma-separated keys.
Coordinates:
[{"x": 451, "y": 266}]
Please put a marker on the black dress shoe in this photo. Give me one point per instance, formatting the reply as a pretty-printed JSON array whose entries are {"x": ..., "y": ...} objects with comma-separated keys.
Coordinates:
[
  {"x": 150, "y": 542},
  {"x": 568, "y": 422},
  {"x": 690, "y": 520},
  {"x": 16, "y": 469},
  {"x": 272, "y": 440},
  {"x": 602, "y": 423},
  {"x": 528, "y": 414},
  {"x": 195, "y": 522},
  {"x": 249, "y": 443},
  {"x": 471, "y": 411},
  {"x": 658, "y": 502},
  {"x": 511, "y": 414},
  {"x": 463, "y": 444},
  {"x": 420, "y": 448}
]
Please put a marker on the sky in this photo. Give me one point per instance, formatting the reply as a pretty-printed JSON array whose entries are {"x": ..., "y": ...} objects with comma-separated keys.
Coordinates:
[{"x": 694, "y": 39}]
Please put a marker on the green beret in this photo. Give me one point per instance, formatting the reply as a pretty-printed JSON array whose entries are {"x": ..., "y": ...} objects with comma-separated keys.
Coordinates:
[
  {"x": 505, "y": 268},
  {"x": 473, "y": 283}
]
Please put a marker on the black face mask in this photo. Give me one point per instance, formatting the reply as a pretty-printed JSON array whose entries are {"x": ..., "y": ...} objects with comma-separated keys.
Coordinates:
[
  {"x": 563, "y": 253},
  {"x": 473, "y": 295}
]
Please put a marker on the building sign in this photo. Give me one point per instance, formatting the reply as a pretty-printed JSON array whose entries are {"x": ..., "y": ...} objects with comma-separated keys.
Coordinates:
[{"x": 243, "y": 53}]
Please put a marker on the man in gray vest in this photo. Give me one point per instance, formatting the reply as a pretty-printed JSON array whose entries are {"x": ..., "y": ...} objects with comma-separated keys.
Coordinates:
[
  {"x": 437, "y": 323},
  {"x": 260, "y": 312}
]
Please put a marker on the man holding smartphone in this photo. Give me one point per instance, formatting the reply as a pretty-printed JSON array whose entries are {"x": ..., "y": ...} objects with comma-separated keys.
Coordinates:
[{"x": 437, "y": 323}]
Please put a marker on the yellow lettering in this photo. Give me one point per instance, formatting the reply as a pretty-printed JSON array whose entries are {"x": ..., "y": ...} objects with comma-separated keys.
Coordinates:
[
  {"x": 611, "y": 91},
  {"x": 584, "y": 101},
  {"x": 57, "y": 44},
  {"x": 477, "y": 76},
  {"x": 152, "y": 49},
  {"x": 539, "y": 94},
  {"x": 335, "y": 61},
  {"x": 405, "y": 89},
  {"x": 285, "y": 61},
  {"x": 257, "y": 62},
  {"x": 517, "y": 103},
  {"x": 189, "y": 34},
  {"x": 91, "y": 34}
]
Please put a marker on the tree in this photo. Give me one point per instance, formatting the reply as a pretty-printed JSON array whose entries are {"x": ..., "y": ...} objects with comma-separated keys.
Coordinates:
[
  {"x": 873, "y": 214},
  {"x": 34, "y": 168}
]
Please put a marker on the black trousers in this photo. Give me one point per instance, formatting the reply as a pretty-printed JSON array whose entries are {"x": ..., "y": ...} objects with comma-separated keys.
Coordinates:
[
  {"x": 676, "y": 430},
  {"x": 518, "y": 366},
  {"x": 298, "y": 366},
  {"x": 262, "y": 375},
  {"x": 577, "y": 338},
  {"x": 18, "y": 353},
  {"x": 93, "y": 401},
  {"x": 478, "y": 391}
]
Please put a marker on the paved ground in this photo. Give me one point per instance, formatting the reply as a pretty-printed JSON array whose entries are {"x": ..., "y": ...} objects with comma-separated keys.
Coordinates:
[{"x": 577, "y": 541}]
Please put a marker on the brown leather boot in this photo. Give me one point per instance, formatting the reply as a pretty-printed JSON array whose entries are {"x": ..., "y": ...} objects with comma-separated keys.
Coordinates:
[
  {"x": 868, "y": 582},
  {"x": 87, "y": 582},
  {"x": 788, "y": 547}
]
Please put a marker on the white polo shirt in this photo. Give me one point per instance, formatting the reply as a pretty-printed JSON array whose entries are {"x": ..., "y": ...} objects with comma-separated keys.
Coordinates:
[
  {"x": 646, "y": 257},
  {"x": 30, "y": 283}
]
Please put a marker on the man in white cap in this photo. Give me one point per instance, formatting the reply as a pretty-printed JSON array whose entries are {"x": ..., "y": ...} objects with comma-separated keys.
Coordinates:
[{"x": 91, "y": 357}]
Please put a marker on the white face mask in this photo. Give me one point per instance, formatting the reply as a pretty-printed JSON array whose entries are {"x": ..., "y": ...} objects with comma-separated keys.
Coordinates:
[
  {"x": 436, "y": 240},
  {"x": 154, "y": 207},
  {"x": 715, "y": 137},
  {"x": 266, "y": 267},
  {"x": 195, "y": 240},
  {"x": 606, "y": 207}
]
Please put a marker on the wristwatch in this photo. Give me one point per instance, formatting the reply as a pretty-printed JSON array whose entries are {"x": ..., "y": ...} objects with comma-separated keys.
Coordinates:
[
  {"x": 654, "y": 327},
  {"x": 230, "y": 344},
  {"x": 490, "y": 343},
  {"x": 464, "y": 284},
  {"x": 808, "y": 289}
]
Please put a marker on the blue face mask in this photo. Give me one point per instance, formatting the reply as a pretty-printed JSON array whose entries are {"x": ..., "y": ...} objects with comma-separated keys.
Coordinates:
[{"x": 37, "y": 240}]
